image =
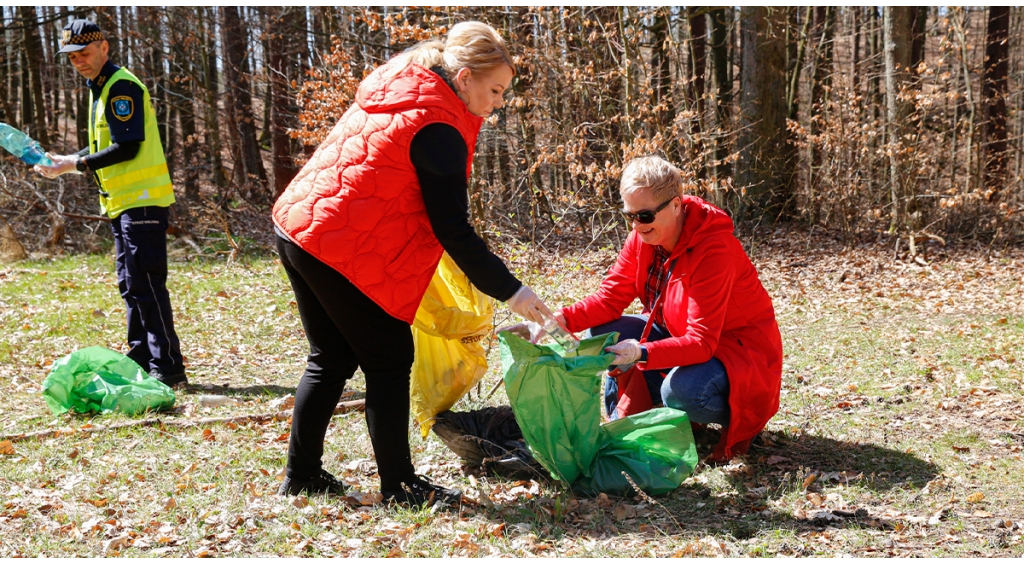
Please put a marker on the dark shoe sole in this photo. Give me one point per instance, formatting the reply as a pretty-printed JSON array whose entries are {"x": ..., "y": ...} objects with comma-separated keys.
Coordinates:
[{"x": 290, "y": 488}]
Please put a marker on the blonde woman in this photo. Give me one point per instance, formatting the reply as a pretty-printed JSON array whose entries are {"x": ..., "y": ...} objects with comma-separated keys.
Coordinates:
[{"x": 360, "y": 231}]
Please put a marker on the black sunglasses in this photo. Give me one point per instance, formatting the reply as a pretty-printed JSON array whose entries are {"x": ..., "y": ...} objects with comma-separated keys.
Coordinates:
[{"x": 645, "y": 216}]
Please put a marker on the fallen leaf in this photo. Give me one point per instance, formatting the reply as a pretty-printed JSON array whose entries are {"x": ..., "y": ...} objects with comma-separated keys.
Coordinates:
[
  {"x": 975, "y": 497},
  {"x": 208, "y": 435},
  {"x": 648, "y": 531},
  {"x": 982, "y": 514},
  {"x": 300, "y": 501},
  {"x": 775, "y": 459},
  {"x": 810, "y": 480},
  {"x": 961, "y": 449},
  {"x": 98, "y": 313},
  {"x": 6, "y": 447},
  {"x": 620, "y": 512},
  {"x": 116, "y": 543},
  {"x": 170, "y": 504}
]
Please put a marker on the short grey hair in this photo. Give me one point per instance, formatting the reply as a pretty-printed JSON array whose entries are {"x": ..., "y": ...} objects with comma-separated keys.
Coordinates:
[{"x": 652, "y": 173}]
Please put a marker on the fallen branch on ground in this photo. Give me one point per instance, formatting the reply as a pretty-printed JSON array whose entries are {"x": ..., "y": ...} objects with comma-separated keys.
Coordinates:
[{"x": 342, "y": 407}]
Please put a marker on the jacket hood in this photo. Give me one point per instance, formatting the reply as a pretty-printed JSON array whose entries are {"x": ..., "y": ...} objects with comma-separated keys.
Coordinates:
[
  {"x": 702, "y": 220},
  {"x": 411, "y": 87}
]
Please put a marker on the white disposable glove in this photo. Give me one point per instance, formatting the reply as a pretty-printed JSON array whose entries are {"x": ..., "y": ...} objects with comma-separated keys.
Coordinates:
[
  {"x": 527, "y": 330},
  {"x": 526, "y": 304},
  {"x": 62, "y": 164},
  {"x": 626, "y": 352}
]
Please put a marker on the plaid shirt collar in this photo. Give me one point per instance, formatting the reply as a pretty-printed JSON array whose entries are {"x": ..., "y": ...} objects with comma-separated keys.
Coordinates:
[{"x": 656, "y": 283}]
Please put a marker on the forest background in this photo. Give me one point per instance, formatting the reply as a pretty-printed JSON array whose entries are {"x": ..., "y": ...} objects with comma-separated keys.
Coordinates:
[
  {"x": 897, "y": 123},
  {"x": 871, "y": 158}
]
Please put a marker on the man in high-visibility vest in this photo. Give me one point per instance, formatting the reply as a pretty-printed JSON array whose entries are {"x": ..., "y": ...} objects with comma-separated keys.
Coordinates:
[{"x": 126, "y": 157}]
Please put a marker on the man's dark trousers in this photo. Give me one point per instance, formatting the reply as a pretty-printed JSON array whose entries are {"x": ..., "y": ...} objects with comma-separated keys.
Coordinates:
[{"x": 140, "y": 241}]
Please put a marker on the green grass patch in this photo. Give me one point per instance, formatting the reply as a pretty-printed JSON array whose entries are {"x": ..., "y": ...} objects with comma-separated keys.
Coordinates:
[{"x": 900, "y": 431}]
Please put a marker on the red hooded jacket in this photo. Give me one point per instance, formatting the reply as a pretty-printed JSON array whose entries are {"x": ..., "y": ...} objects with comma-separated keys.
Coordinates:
[
  {"x": 357, "y": 205},
  {"x": 714, "y": 306}
]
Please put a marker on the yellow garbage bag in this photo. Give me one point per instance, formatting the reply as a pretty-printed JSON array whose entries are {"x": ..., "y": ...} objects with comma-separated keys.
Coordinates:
[{"x": 451, "y": 324}]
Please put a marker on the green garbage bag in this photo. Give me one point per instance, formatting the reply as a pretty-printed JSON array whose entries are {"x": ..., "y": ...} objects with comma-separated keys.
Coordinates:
[
  {"x": 96, "y": 379},
  {"x": 655, "y": 448},
  {"x": 557, "y": 403},
  {"x": 556, "y": 400}
]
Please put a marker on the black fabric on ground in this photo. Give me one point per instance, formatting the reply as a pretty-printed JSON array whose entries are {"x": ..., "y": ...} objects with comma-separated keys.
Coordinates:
[{"x": 491, "y": 438}]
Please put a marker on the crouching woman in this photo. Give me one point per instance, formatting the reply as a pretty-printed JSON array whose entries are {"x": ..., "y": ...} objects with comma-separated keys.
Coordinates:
[{"x": 713, "y": 348}]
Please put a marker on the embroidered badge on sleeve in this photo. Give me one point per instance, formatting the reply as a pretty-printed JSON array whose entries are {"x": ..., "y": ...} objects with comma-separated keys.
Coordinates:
[{"x": 123, "y": 107}]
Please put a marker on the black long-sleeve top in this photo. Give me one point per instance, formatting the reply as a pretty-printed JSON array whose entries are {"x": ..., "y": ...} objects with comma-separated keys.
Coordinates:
[{"x": 439, "y": 154}]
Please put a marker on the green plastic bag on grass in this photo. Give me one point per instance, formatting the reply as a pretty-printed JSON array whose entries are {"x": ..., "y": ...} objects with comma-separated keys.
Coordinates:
[
  {"x": 96, "y": 379},
  {"x": 556, "y": 400},
  {"x": 655, "y": 448},
  {"x": 557, "y": 403}
]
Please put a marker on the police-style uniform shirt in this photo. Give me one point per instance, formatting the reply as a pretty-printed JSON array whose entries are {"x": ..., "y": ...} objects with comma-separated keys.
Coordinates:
[{"x": 125, "y": 117}]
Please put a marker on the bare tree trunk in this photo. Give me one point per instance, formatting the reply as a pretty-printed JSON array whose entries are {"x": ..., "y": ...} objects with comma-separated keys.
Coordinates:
[
  {"x": 661, "y": 74},
  {"x": 150, "y": 24},
  {"x": 897, "y": 27},
  {"x": 184, "y": 58},
  {"x": 250, "y": 175},
  {"x": 211, "y": 85},
  {"x": 766, "y": 156},
  {"x": 7, "y": 113},
  {"x": 282, "y": 68},
  {"x": 51, "y": 94},
  {"x": 821, "y": 37},
  {"x": 796, "y": 49},
  {"x": 994, "y": 89},
  {"x": 34, "y": 60},
  {"x": 696, "y": 81},
  {"x": 721, "y": 19},
  {"x": 855, "y": 62},
  {"x": 920, "y": 27}
]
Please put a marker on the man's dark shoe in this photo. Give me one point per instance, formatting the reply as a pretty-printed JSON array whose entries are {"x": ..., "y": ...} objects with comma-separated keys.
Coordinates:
[
  {"x": 178, "y": 379},
  {"x": 419, "y": 492},
  {"x": 324, "y": 482}
]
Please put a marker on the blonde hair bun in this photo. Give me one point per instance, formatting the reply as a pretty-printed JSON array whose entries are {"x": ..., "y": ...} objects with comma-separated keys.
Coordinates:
[{"x": 469, "y": 45}]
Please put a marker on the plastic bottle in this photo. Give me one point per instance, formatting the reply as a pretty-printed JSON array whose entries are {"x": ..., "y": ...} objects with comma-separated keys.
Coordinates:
[
  {"x": 19, "y": 144},
  {"x": 215, "y": 401},
  {"x": 560, "y": 334}
]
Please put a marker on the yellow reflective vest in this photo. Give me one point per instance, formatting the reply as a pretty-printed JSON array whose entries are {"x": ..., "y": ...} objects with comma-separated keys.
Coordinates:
[{"x": 142, "y": 181}]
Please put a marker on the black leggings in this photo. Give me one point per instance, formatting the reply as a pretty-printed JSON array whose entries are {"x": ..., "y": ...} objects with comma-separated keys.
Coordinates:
[{"x": 346, "y": 330}]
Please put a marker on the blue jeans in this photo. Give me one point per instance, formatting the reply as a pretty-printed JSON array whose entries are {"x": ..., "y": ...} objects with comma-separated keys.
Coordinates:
[{"x": 701, "y": 390}]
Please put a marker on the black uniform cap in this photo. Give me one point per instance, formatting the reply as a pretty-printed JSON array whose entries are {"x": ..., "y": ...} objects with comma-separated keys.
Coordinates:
[{"x": 78, "y": 34}]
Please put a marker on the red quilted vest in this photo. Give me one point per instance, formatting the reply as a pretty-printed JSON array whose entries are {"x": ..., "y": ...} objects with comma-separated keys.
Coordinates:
[{"x": 357, "y": 206}]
